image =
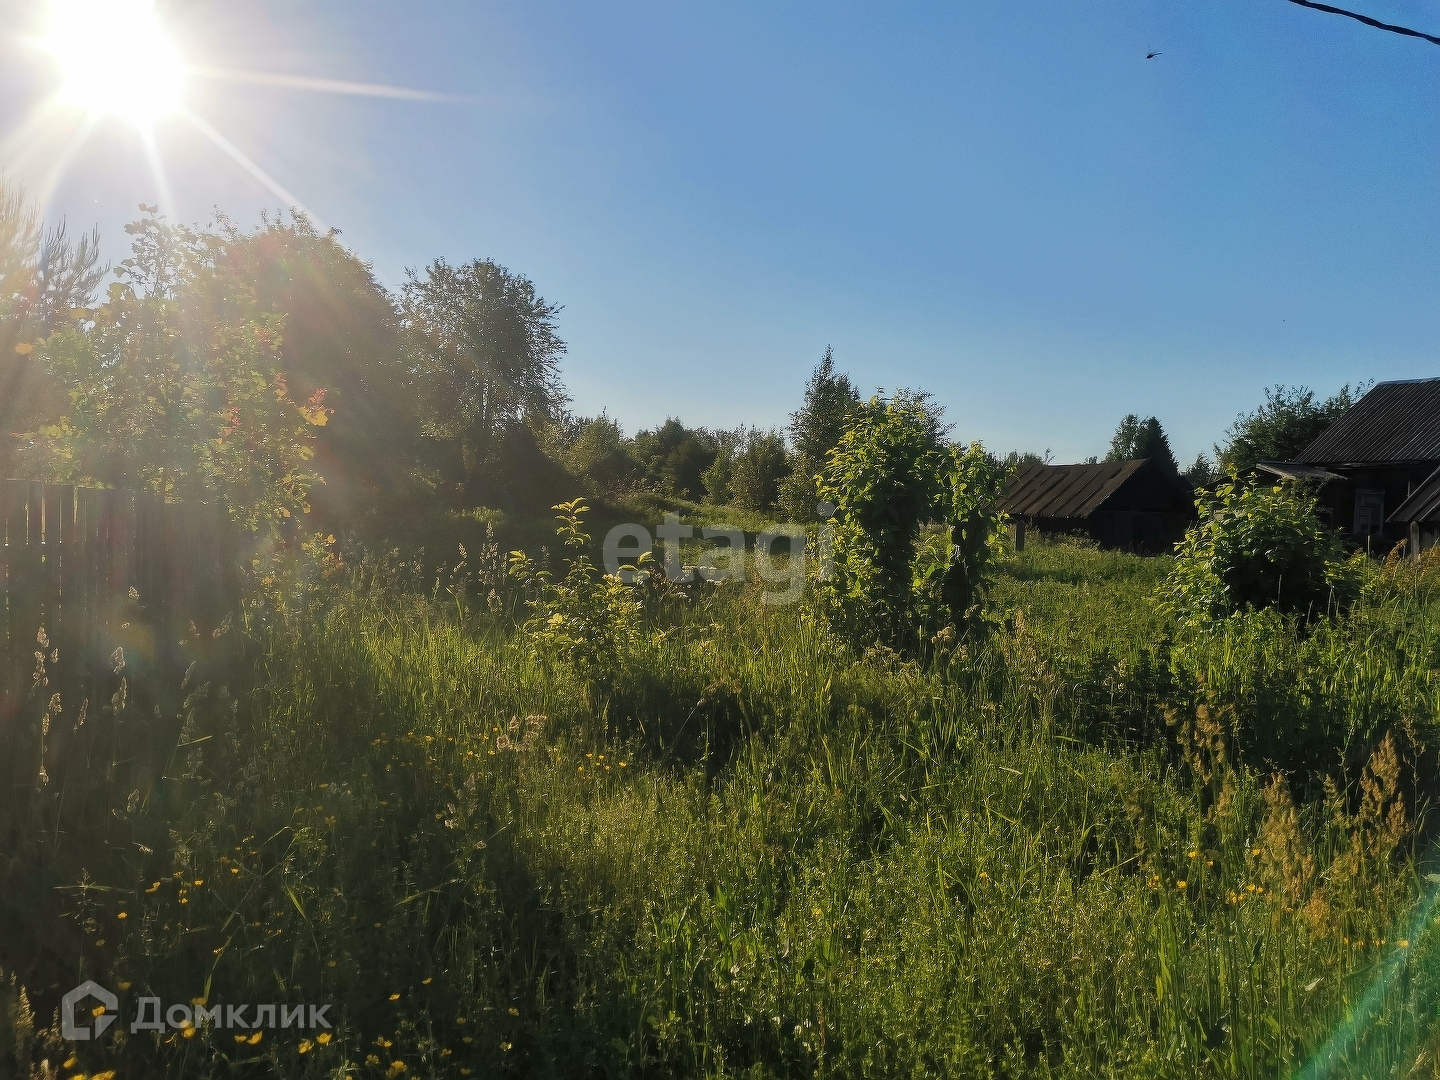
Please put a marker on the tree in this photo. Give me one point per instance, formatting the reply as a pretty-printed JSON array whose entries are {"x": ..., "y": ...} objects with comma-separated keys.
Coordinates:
[
  {"x": 341, "y": 334},
  {"x": 756, "y": 470},
  {"x": 1136, "y": 438},
  {"x": 1201, "y": 473},
  {"x": 1289, "y": 420},
  {"x": 175, "y": 384},
  {"x": 830, "y": 404},
  {"x": 44, "y": 279},
  {"x": 484, "y": 352},
  {"x": 1258, "y": 547}
]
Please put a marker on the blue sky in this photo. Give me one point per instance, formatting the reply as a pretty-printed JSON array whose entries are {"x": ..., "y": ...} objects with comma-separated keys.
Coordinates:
[{"x": 1005, "y": 204}]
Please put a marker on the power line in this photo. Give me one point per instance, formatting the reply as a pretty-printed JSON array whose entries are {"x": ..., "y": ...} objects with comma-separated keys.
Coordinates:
[{"x": 1368, "y": 21}]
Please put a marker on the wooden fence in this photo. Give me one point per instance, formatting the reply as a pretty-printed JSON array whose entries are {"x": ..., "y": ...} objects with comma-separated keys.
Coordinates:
[{"x": 86, "y": 572}]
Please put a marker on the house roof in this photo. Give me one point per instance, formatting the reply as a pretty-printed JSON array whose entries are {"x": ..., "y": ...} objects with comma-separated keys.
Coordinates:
[
  {"x": 1293, "y": 470},
  {"x": 1066, "y": 491},
  {"x": 1395, "y": 421},
  {"x": 1423, "y": 503}
]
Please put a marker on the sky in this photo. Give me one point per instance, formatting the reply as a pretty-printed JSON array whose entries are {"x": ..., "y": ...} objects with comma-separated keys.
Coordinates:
[{"x": 1005, "y": 204}]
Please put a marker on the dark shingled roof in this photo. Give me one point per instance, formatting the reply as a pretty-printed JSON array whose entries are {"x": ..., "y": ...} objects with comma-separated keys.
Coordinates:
[
  {"x": 1395, "y": 421},
  {"x": 1065, "y": 491},
  {"x": 1423, "y": 503}
]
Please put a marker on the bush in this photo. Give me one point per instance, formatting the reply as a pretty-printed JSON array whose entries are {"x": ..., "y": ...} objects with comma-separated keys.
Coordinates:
[
  {"x": 1258, "y": 547},
  {"x": 891, "y": 474}
]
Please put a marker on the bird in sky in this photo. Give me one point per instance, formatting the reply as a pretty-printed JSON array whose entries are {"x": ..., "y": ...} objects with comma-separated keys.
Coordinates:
[{"x": 1151, "y": 55}]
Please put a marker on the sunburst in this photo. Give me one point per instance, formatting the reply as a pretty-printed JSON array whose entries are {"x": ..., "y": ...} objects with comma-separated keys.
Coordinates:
[{"x": 118, "y": 62}]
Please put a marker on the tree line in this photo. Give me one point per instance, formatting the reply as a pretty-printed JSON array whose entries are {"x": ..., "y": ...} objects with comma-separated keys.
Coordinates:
[{"x": 268, "y": 370}]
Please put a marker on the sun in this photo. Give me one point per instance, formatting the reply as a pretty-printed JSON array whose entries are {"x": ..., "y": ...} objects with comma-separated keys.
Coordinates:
[{"x": 115, "y": 59}]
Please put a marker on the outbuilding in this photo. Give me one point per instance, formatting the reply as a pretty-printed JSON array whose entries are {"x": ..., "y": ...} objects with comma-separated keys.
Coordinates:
[{"x": 1129, "y": 505}]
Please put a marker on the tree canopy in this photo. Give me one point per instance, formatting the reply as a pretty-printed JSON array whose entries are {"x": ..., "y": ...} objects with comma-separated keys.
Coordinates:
[
  {"x": 1136, "y": 438},
  {"x": 1290, "y": 419}
]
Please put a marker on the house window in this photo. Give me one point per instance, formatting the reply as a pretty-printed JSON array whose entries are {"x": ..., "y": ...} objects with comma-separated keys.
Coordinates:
[{"x": 1369, "y": 512}]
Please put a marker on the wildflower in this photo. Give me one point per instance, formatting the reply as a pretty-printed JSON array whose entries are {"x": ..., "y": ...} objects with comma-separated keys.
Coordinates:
[
  {"x": 460, "y": 1020},
  {"x": 1193, "y": 855},
  {"x": 622, "y": 764},
  {"x": 466, "y": 1039},
  {"x": 101, "y": 942},
  {"x": 505, "y": 1046},
  {"x": 199, "y": 883},
  {"x": 396, "y": 1068},
  {"x": 239, "y": 1038},
  {"x": 188, "y": 1031},
  {"x": 69, "y": 1063},
  {"x": 323, "y": 1038},
  {"x": 1179, "y": 884},
  {"x": 306, "y": 1046},
  {"x": 108, "y": 1074},
  {"x": 254, "y": 1040},
  {"x": 427, "y": 981},
  {"x": 371, "y": 1059},
  {"x": 121, "y": 915},
  {"x": 377, "y": 926},
  {"x": 394, "y": 997},
  {"x": 446, "y": 1052},
  {"x": 234, "y": 869},
  {"x": 124, "y": 985},
  {"x": 330, "y": 963},
  {"x": 514, "y": 1011},
  {"x": 1403, "y": 943}
]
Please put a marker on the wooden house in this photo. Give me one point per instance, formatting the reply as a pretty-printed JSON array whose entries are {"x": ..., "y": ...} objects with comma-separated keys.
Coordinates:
[{"x": 1130, "y": 505}]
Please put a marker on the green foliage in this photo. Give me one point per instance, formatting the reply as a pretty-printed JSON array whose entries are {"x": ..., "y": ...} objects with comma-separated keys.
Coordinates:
[
  {"x": 831, "y": 402},
  {"x": 1259, "y": 547},
  {"x": 889, "y": 475},
  {"x": 341, "y": 335},
  {"x": 1289, "y": 420},
  {"x": 586, "y": 619},
  {"x": 485, "y": 347},
  {"x": 748, "y": 471},
  {"x": 175, "y": 385},
  {"x": 1136, "y": 438},
  {"x": 45, "y": 281},
  {"x": 955, "y": 570}
]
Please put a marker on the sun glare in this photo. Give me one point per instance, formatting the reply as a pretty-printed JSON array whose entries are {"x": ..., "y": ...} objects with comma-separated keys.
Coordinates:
[{"x": 115, "y": 58}]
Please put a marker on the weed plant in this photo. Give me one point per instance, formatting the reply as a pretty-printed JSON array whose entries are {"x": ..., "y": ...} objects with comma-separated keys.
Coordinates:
[{"x": 1064, "y": 850}]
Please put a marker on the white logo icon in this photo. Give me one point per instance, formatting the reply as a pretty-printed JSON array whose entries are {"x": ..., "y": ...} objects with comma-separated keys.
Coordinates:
[{"x": 87, "y": 989}]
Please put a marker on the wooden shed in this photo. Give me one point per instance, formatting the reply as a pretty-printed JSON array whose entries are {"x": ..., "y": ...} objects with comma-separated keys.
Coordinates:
[{"x": 1130, "y": 505}]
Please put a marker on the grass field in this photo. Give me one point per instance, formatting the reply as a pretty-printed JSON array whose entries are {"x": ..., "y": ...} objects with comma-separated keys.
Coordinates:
[{"x": 742, "y": 850}]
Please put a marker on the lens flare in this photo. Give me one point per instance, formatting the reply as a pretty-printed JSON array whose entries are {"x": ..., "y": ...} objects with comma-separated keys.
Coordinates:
[{"x": 115, "y": 59}]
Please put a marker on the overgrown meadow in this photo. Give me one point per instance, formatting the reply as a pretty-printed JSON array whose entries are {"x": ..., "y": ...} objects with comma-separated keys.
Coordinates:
[{"x": 1083, "y": 844}]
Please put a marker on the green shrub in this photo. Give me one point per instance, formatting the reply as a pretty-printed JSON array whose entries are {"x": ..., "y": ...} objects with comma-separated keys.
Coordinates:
[{"x": 1259, "y": 547}]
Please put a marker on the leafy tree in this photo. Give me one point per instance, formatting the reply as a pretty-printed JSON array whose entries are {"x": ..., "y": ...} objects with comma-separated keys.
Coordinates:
[
  {"x": 1135, "y": 439},
  {"x": 341, "y": 334},
  {"x": 1289, "y": 420},
  {"x": 756, "y": 470},
  {"x": 44, "y": 281},
  {"x": 830, "y": 404},
  {"x": 596, "y": 451},
  {"x": 954, "y": 569},
  {"x": 1201, "y": 473},
  {"x": 1258, "y": 547},
  {"x": 166, "y": 394},
  {"x": 675, "y": 458},
  {"x": 885, "y": 478},
  {"x": 485, "y": 354}
]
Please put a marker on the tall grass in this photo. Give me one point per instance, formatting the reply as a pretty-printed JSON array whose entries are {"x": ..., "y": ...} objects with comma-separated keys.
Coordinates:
[{"x": 749, "y": 852}]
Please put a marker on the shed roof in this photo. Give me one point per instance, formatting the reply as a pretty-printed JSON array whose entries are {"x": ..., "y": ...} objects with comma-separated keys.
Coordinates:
[
  {"x": 1065, "y": 491},
  {"x": 1395, "y": 421},
  {"x": 1423, "y": 503},
  {"x": 1293, "y": 470}
]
